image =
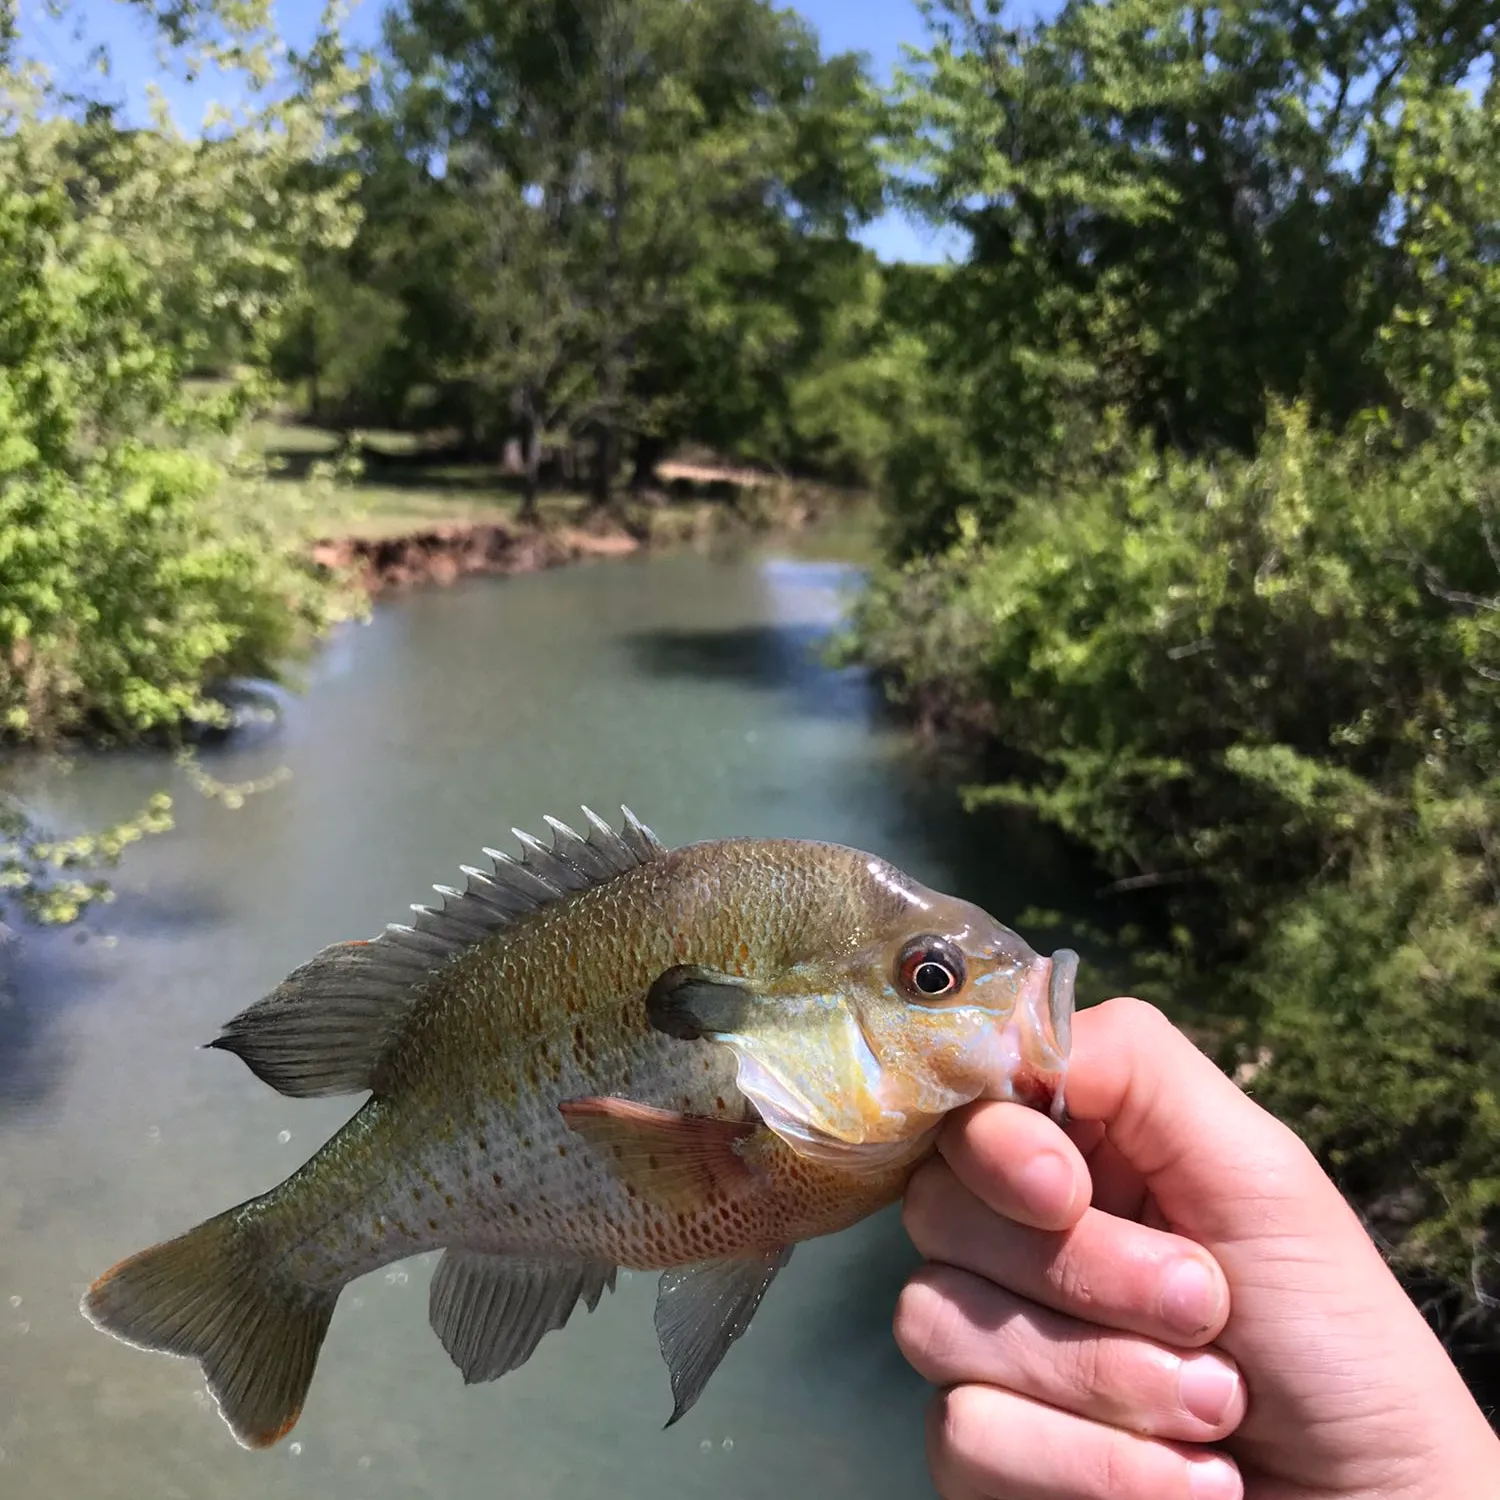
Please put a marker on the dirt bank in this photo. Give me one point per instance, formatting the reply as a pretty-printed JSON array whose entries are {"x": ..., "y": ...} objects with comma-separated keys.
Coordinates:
[{"x": 443, "y": 554}]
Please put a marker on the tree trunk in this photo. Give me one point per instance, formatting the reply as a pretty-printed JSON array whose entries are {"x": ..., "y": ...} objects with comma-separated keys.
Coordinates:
[
  {"x": 648, "y": 453},
  {"x": 602, "y": 478},
  {"x": 615, "y": 48},
  {"x": 314, "y": 385},
  {"x": 531, "y": 457}
]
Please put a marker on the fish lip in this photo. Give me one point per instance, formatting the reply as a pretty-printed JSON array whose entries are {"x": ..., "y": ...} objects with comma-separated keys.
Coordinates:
[
  {"x": 1042, "y": 1027},
  {"x": 1061, "y": 1001}
]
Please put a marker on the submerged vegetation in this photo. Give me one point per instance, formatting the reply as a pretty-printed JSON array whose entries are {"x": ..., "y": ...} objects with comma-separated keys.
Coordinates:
[{"x": 1189, "y": 463}]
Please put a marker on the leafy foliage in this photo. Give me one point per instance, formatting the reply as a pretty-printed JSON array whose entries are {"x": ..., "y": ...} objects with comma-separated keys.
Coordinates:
[
  {"x": 602, "y": 226},
  {"x": 1197, "y": 540},
  {"x": 136, "y": 573},
  {"x": 1181, "y": 212},
  {"x": 127, "y": 589},
  {"x": 1265, "y": 690},
  {"x": 1391, "y": 1074},
  {"x": 51, "y": 879}
]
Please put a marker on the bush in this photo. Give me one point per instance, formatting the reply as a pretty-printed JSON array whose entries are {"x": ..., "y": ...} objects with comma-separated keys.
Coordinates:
[
  {"x": 125, "y": 594},
  {"x": 1265, "y": 689},
  {"x": 137, "y": 570},
  {"x": 130, "y": 580},
  {"x": 1375, "y": 998}
]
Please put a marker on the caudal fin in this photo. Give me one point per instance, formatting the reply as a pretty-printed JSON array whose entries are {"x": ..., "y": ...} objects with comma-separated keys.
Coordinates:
[{"x": 204, "y": 1295}]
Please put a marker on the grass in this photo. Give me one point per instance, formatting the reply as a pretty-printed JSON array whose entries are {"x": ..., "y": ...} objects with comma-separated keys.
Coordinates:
[
  {"x": 406, "y": 486},
  {"x": 401, "y": 489}
]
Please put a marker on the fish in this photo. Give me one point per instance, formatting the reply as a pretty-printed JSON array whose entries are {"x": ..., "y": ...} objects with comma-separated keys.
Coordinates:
[{"x": 602, "y": 1054}]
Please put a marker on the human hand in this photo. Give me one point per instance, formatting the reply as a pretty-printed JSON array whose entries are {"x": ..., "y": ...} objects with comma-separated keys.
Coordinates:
[{"x": 1098, "y": 1303}]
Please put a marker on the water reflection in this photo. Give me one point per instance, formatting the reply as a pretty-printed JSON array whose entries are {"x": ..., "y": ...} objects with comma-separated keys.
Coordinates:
[
  {"x": 689, "y": 688},
  {"x": 33, "y": 1052}
]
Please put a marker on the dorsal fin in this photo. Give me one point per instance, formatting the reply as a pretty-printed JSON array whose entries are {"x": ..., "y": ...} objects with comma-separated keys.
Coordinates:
[{"x": 325, "y": 1027}]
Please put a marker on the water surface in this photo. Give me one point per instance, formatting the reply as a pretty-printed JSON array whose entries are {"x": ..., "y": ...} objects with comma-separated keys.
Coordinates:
[{"x": 688, "y": 688}]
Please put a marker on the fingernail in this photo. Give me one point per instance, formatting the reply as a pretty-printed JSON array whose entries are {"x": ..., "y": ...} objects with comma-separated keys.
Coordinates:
[
  {"x": 1190, "y": 1297},
  {"x": 1214, "y": 1478},
  {"x": 1045, "y": 1185},
  {"x": 1207, "y": 1388}
]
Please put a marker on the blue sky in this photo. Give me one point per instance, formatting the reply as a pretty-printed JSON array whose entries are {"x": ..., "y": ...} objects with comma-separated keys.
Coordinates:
[{"x": 875, "y": 27}]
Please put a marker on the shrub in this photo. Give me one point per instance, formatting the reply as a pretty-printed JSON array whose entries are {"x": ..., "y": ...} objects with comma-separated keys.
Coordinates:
[{"x": 1265, "y": 689}]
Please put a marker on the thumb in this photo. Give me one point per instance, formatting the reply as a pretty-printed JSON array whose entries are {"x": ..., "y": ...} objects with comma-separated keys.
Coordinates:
[
  {"x": 1317, "y": 1321},
  {"x": 1219, "y": 1168}
]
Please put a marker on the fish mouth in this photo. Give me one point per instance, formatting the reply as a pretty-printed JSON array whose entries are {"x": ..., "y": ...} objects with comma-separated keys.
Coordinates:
[
  {"x": 1061, "y": 999},
  {"x": 1043, "y": 1034}
]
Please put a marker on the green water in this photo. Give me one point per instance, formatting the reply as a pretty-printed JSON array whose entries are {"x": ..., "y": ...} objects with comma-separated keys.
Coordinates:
[{"x": 687, "y": 687}]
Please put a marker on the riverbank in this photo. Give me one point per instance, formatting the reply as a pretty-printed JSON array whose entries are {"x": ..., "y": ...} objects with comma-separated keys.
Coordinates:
[
  {"x": 385, "y": 561},
  {"x": 441, "y": 555}
]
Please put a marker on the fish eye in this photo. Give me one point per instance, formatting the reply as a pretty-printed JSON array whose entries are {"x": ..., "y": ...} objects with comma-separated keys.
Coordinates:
[{"x": 930, "y": 968}]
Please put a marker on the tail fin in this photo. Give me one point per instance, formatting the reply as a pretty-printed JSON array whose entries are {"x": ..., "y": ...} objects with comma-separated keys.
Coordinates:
[{"x": 206, "y": 1296}]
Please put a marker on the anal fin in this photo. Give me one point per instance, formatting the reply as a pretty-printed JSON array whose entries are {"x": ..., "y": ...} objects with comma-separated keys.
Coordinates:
[
  {"x": 701, "y": 1310},
  {"x": 491, "y": 1311}
]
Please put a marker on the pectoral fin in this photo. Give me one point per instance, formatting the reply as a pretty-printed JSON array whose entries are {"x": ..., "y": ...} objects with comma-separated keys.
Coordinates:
[
  {"x": 688, "y": 1002},
  {"x": 677, "y": 1161},
  {"x": 701, "y": 1310}
]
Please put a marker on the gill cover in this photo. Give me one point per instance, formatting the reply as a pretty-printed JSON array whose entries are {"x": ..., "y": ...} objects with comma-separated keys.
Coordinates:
[
  {"x": 796, "y": 1058},
  {"x": 863, "y": 1080}
]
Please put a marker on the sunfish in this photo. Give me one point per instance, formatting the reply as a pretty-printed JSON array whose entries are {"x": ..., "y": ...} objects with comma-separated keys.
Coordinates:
[{"x": 602, "y": 1054}]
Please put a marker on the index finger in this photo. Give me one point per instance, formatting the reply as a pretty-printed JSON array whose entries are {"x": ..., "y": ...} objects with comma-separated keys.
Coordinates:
[{"x": 1018, "y": 1163}]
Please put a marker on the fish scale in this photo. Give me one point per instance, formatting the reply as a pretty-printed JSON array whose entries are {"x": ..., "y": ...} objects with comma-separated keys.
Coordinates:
[
  {"x": 529, "y": 1020},
  {"x": 604, "y": 1054}
]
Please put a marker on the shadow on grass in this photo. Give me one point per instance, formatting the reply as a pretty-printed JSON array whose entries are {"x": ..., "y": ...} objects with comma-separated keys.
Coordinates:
[{"x": 425, "y": 469}]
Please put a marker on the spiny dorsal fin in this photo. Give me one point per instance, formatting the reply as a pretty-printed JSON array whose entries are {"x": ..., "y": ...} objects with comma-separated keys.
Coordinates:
[{"x": 326, "y": 1026}]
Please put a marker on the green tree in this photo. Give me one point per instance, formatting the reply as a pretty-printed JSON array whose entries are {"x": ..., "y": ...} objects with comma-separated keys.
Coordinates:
[
  {"x": 136, "y": 569},
  {"x": 615, "y": 224},
  {"x": 1179, "y": 211}
]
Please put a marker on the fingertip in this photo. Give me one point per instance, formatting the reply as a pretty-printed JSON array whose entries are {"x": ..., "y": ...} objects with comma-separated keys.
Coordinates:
[
  {"x": 1019, "y": 1163},
  {"x": 923, "y": 1320},
  {"x": 1195, "y": 1299}
]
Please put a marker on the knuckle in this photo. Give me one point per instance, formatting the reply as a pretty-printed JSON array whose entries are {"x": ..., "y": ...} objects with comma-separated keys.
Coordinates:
[
  {"x": 921, "y": 1209},
  {"x": 1122, "y": 1463},
  {"x": 1091, "y": 1368},
  {"x": 1070, "y": 1281},
  {"x": 1118, "y": 1472}
]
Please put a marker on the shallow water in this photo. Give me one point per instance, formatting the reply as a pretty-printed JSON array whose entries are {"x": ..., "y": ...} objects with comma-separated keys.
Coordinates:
[{"x": 686, "y": 687}]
